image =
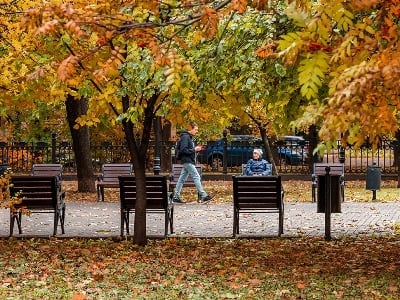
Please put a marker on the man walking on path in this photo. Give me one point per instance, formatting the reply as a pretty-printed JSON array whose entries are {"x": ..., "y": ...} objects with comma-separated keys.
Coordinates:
[{"x": 187, "y": 152}]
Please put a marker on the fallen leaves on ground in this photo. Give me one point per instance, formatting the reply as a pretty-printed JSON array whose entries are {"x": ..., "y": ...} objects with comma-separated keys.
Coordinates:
[{"x": 273, "y": 268}]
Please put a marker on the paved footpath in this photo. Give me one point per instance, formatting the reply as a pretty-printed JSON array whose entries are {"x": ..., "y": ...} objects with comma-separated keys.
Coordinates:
[{"x": 102, "y": 220}]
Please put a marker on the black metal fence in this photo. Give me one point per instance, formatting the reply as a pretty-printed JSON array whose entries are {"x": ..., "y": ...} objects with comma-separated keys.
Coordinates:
[{"x": 20, "y": 156}]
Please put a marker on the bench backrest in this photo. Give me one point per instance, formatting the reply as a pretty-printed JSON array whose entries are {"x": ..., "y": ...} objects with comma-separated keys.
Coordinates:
[
  {"x": 335, "y": 169},
  {"x": 37, "y": 192},
  {"x": 47, "y": 170},
  {"x": 110, "y": 172},
  {"x": 257, "y": 192},
  {"x": 156, "y": 192},
  {"x": 176, "y": 171}
]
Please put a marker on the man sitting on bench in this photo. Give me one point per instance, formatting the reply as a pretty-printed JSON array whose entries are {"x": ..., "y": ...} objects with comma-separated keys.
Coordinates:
[{"x": 257, "y": 166}]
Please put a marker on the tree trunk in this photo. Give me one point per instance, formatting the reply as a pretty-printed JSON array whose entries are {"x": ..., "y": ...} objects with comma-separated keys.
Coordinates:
[
  {"x": 80, "y": 144},
  {"x": 269, "y": 155},
  {"x": 138, "y": 146}
]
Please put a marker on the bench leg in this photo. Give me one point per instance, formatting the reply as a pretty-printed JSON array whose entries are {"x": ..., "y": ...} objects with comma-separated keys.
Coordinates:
[
  {"x": 280, "y": 223},
  {"x": 342, "y": 192},
  {"x": 124, "y": 222},
  {"x": 100, "y": 193},
  {"x": 313, "y": 196},
  {"x": 235, "y": 222},
  {"x": 15, "y": 216},
  {"x": 166, "y": 216},
  {"x": 171, "y": 220},
  {"x": 62, "y": 219}
]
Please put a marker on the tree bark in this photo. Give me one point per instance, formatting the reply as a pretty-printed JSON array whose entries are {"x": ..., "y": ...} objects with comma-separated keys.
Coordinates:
[
  {"x": 80, "y": 144},
  {"x": 138, "y": 146}
]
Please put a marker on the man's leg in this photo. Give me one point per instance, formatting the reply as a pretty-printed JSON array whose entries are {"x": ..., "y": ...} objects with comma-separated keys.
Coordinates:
[
  {"x": 191, "y": 169},
  {"x": 182, "y": 178}
]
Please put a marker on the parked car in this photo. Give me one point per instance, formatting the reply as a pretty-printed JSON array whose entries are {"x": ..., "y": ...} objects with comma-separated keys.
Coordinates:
[
  {"x": 239, "y": 150},
  {"x": 292, "y": 150}
]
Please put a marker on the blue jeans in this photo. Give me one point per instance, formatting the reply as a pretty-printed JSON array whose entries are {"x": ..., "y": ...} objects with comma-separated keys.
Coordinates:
[{"x": 189, "y": 169}]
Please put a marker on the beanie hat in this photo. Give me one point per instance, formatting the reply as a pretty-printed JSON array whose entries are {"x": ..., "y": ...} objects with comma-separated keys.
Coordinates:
[{"x": 259, "y": 151}]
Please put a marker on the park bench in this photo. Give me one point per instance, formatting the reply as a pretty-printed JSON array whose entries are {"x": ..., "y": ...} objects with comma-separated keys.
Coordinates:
[
  {"x": 176, "y": 172},
  {"x": 39, "y": 194},
  {"x": 157, "y": 200},
  {"x": 320, "y": 169},
  {"x": 109, "y": 177},
  {"x": 257, "y": 194},
  {"x": 47, "y": 170}
]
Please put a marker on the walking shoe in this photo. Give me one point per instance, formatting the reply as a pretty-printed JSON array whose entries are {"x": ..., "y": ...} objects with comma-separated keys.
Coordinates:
[
  {"x": 177, "y": 200},
  {"x": 206, "y": 199}
]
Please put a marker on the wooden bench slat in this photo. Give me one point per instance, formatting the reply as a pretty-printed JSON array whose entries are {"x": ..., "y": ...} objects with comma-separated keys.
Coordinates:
[
  {"x": 257, "y": 194},
  {"x": 157, "y": 199},
  {"x": 109, "y": 177}
]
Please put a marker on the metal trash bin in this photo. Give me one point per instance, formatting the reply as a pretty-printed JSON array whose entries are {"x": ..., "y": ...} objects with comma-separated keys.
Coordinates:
[
  {"x": 373, "y": 180},
  {"x": 336, "y": 195}
]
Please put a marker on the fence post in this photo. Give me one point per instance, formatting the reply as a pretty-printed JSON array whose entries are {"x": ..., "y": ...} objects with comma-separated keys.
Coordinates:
[
  {"x": 225, "y": 151},
  {"x": 53, "y": 147}
]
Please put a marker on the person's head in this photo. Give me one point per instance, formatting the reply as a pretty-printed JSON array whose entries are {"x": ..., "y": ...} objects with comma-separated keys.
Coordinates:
[
  {"x": 257, "y": 153},
  {"x": 194, "y": 128}
]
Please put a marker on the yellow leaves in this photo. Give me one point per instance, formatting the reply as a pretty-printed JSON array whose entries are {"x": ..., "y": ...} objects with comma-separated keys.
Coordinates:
[
  {"x": 86, "y": 121},
  {"x": 289, "y": 46},
  {"x": 176, "y": 66},
  {"x": 312, "y": 72}
]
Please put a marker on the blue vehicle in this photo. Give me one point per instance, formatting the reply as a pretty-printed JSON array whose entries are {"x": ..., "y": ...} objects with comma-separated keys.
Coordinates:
[
  {"x": 292, "y": 150},
  {"x": 240, "y": 150}
]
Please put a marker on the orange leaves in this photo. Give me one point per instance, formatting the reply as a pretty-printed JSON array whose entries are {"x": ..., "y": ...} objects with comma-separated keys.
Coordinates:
[
  {"x": 364, "y": 4},
  {"x": 109, "y": 67},
  {"x": 209, "y": 21},
  {"x": 67, "y": 67},
  {"x": 74, "y": 28},
  {"x": 267, "y": 50},
  {"x": 239, "y": 5},
  {"x": 47, "y": 27},
  {"x": 32, "y": 18}
]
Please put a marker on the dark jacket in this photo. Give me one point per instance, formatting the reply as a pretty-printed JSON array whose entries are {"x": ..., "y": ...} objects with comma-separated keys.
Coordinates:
[
  {"x": 188, "y": 154},
  {"x": 256, "y": 167}
]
